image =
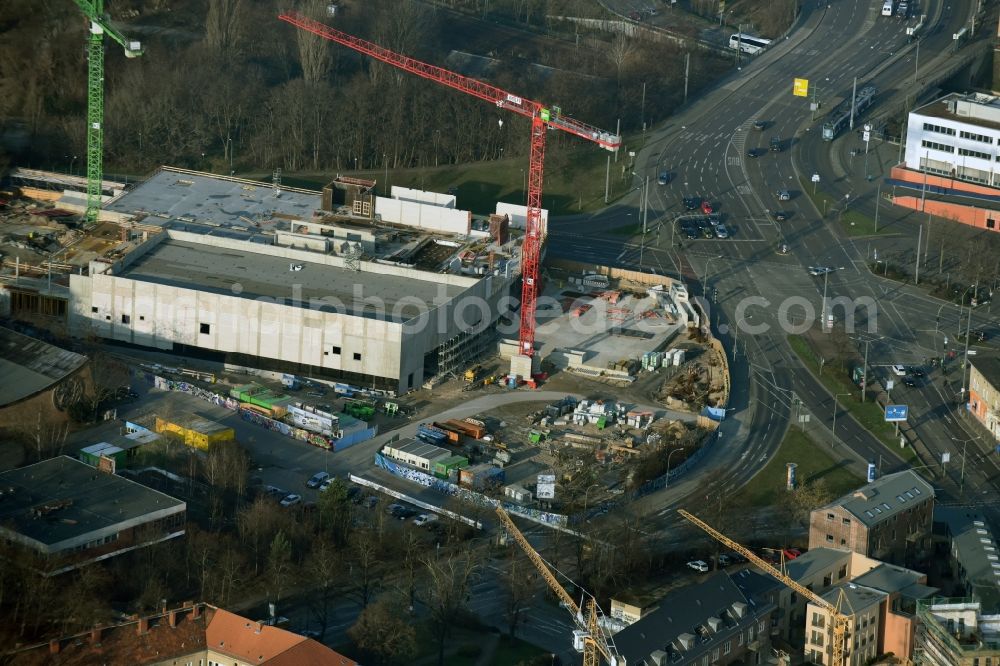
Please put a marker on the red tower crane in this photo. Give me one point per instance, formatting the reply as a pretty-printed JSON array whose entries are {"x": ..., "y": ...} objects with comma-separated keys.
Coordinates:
[{"x": 541, "y": 117}]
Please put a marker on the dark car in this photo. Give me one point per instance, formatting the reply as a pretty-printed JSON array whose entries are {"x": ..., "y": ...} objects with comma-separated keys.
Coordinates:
[
  {"x": 692, "y": 203},
  {"x": 759, "y": 124},
  {"x": 775, "y": 144},
  {"x": 708, "y": 231},
  {"x": 663, "y": 178},
  {"x": 780, "y": 215},
  {"x": 690, "y": 229},
  {"x": 755, "y": 152},
  {"x": 916, "y": 372},
  {"x": 910, "y": 381}
]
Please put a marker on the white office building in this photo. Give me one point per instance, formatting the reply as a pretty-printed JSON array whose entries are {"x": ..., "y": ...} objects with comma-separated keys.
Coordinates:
[{"x": 957, "y": 136}]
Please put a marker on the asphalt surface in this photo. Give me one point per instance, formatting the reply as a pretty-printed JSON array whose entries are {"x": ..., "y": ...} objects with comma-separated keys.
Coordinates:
[{"x": 747, "y": 280}]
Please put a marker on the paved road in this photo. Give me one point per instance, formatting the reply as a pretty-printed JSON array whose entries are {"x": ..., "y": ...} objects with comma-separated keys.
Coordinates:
[{"x": 705, "y": 150}]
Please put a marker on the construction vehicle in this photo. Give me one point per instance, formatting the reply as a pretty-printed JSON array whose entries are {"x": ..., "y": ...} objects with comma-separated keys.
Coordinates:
[
  {"x": 99, "y": 26},
  {"x": 472, "y": 374},
  {"x": 841, "y": 622},
  {"x": 589, "y": 631},
  {"x": 542, "y": 118}
]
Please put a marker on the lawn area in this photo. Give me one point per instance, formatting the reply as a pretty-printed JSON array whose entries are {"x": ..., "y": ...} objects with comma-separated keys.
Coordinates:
[
  {"x": 813, "y": 464},
  {"x": 854, "y": 223},
  {"x": 573, "y": 183},
  {"x": 868, "y": 413}
]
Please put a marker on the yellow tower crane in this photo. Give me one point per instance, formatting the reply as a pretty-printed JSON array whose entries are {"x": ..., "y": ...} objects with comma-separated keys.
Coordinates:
[
  {"x": 840, "y": 620},
  {"x": 594, "y": 641}
]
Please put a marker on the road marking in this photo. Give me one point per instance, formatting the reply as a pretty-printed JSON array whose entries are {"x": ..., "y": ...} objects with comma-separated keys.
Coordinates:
[{"x": 734, "y": 160}]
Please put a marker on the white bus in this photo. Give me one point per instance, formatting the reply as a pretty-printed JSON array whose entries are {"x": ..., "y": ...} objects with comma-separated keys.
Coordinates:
[
  {"x": 748, "y": 43},
  {"x": 887, "y": 8}
]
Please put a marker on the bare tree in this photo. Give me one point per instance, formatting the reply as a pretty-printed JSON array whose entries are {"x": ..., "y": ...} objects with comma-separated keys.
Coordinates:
[
  {"x": 315, "y": 53},
  {"x": 257, "y": 525},
  {"x": 324, "y": 567},
  {"x": 224, "y": 24},
  {"x": 279, "y": 565},
  {"x": 382, "y": 631},
  {"x": 620, "y": 53},
  {"x": 521, "y": 584},
  {"x": 365, "y": 553},
  {"x": 449, "y": 584}
]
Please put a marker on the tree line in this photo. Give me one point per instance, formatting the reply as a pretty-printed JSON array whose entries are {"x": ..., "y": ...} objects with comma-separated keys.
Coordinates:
[{"x": 223, "y": 84}]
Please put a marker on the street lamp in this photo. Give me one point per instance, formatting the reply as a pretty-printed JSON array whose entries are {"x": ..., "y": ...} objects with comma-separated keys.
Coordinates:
[
  {"x": 864, "y": 369},
  {"x": 835, "y": 407},
  {"x": 708, "y": 273},
  {"x": 965, "y": 444},
  {"x": 229, "y": 149},
  {"x": 385, "y": 188},
  {"x": 667, "y": 484}
]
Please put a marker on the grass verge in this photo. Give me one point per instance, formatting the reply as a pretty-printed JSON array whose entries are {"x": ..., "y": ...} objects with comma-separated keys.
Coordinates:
[
  {"x": 574, "y": 179},
  {"x": 853, "y": 222},
  {"x": 835, "y": 379},
  {"x": 813, "y": 464}
]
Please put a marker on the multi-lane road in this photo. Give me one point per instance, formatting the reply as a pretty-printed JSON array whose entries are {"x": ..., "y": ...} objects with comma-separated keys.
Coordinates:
[{"x": 745, "y": 277}]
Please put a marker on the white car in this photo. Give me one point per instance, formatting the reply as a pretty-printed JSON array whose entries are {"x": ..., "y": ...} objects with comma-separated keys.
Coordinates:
[
  {"x": 898, "y": 370},
  {"x": 291, "y": 500},
  {"x": 698, "y": 565},
  {"x": 819, "y": 270},
  {"x": 295, "y": 267},
  {"x": 424, "y": 518}
]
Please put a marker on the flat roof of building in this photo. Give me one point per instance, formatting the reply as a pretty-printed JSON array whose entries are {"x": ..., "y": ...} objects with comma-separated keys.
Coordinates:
[
  {"x": 191, "y": 196},
  {"x": 61, "y": 499},
  {"x": 816, "y": 560},
  {"x": 421, "y": 449},
  {"x": 890, "y": 578},
  {"x": 28, "y": 365},
  {"x": 940, "y": 108},
  {"x": 252, "y": 274}
]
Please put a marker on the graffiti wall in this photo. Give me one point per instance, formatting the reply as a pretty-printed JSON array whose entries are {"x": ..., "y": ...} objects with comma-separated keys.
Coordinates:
[
  {"x": 322, "y": 441},
  {"x": 464, "y": 494}
]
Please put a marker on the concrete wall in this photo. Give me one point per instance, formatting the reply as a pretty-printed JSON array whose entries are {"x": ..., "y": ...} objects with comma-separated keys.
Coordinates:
[
  {"x": 519, "y": 215},
  {"x": 422, "y": 196},
  {"x": 424, "y": 216}
]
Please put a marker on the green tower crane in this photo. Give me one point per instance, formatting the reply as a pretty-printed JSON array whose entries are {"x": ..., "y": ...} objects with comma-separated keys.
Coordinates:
[{"x": 99, "y": 26}]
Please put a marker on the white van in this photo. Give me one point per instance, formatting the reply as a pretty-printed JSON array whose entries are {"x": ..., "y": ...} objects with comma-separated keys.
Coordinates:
[{"x": 887, "y": 8}]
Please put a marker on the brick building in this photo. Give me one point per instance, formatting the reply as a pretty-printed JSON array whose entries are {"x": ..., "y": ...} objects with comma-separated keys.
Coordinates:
[
  {"x": 984, "y": 393},
  {"x": 890, "y": 519}
]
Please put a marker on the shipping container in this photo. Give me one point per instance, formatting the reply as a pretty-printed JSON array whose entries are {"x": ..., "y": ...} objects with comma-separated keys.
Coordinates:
[
  {"x": 481, "y": 476},
  {"x": 454, "y": 436},
  {"x": 430, "y": 434}
]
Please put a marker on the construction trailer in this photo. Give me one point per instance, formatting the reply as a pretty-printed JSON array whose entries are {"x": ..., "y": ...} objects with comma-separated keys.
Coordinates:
[{"x": 196, "y": 432}]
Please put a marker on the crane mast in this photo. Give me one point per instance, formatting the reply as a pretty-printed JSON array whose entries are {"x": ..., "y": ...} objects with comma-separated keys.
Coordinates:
[
  {"x": 541, "y": 116},
  {"x": 93, "y": 10},
  {"x": 840, "y": 621}
]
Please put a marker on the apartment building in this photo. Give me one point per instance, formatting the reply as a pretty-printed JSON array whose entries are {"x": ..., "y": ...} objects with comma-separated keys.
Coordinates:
[
  {"x": 890, "y": 519},
  {"x": 193, "y": 634},
  {"x": 955, "y": 632},
  {"x": 862, "y": 605},
  {"x": 725, "y": 619},
  {"x": 984, "y": 393}
]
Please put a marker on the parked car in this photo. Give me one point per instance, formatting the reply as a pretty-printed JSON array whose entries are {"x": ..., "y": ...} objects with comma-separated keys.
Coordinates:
[
  {"x": 424, "y": 519},
  {"x": 707, "y": 230},
  {"x": 791, "y": 553},
  {"x": 721, "y": 231},
  {"x": 692, "y": 203},
  {"x": 291, "y": 500},
  {"x": 698, "y": 565},
  {"x": 706, "y": 207},
  {"x": 275, "y": 492},
  {"x": 317, "y": 479},
  {"x": 323, "y": 487},
  {"x": 725, "y": 560}
]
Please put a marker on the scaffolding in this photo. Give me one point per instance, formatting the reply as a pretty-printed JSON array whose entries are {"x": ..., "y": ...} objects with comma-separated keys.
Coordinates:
[{"x": 455, "y": 354}]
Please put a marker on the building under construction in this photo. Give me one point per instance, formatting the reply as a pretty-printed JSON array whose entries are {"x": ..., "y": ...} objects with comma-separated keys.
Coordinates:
[{"x": 344, "y": 285}]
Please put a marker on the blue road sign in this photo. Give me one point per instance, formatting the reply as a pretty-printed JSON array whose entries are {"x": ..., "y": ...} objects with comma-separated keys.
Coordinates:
[{"x": 896, "y": 412}]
